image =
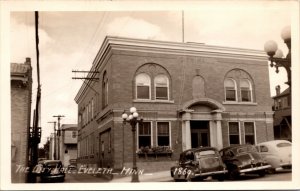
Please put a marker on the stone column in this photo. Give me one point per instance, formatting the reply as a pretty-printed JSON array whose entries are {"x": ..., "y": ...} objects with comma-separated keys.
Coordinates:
[
  {"x": 217, "y": 118},
  {"x": 186, "y": 130},
  {"x": 219, "y": 135}
]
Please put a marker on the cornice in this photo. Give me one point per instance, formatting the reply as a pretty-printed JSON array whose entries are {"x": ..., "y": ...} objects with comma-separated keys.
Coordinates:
[{"x": 165, "y": 47}]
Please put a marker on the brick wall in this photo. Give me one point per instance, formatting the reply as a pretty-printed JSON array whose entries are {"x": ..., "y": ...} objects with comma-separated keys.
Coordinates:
[{"x": 20, "y": 101}]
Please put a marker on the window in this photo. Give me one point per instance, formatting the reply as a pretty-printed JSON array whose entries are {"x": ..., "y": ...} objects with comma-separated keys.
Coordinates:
[
  {"x": 144, "y": 134},
  {"x": 246, "y": 90},
  {"x": 234, "y": 133},
  {"x": 163, "y": 134},
  {"x": 109, "y": 141},
  {"x": 230, "y": 90},
  {"x": 104, "y": 90},
  {"x": 92, "y": 108},
  {"x": 142, "y": 82},
  {"x": 263, "y": 148},
  {"x": 161, "y": 83},
  {"x": 74, "y": 134},
  {"x": 249, "y": 133}
]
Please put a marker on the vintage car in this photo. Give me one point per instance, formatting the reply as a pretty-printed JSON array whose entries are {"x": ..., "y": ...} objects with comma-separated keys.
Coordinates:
[
  {"x": 243, "y": 159},
  {"x": 50, "y": 170},
  {"x": 278, "y": 153},
  {"x": 198, "y": 164}
]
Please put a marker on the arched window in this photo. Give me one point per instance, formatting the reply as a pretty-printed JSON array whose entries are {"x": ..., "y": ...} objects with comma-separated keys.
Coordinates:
[
  {"x": 104, "y": 90},
  {"x": 161, "y": 83},
  {"x": 230, "y": 90},
  {"x": 142, "y": 84},
  {"x": 246, "y": 90}
]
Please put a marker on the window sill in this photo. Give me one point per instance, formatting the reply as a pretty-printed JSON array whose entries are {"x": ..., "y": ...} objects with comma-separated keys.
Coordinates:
[
  {"x": 238, "y": 103},
  {"x": 153, "y": 101}
]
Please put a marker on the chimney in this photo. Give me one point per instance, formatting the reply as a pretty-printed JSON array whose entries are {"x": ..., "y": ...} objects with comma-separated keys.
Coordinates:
[
  {"x": 28, "y": 61},
  {"x": 277, "y": 89}
]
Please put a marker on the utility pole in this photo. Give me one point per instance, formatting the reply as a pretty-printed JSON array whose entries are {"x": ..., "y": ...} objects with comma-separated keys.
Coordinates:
[
  {"x": 54, "y": 129},
  {"x": 58, "y": 133}
]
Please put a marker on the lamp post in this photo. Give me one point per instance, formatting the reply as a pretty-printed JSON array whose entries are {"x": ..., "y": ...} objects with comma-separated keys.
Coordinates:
[
  {"x": 277, "y": 60},
  {"x": 276, "y": 55},
  {"x": 132, "y": 119}
]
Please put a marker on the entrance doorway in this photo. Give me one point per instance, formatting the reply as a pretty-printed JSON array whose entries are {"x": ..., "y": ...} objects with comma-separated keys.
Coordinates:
[{"x": 199, "y": 133}]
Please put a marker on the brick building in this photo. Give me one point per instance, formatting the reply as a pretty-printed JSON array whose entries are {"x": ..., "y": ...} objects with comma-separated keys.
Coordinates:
[
  {"x": 282, "y": 114},
  {"x": 188, "y": 95},
  {"x": 21, "y": 92}
]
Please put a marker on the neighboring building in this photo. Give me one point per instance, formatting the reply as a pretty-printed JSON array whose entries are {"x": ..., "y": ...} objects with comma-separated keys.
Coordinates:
[
  {"x": 282, "y": 114},
  {"x": 21, "y": 92},
  {"x": 188, "y": 94},
  {"x": 67, "y": 143}
]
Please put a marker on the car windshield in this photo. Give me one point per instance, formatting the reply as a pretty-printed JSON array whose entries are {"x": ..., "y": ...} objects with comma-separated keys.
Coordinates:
[
  {"x": 284, "y": 145},
  {"x": 53, "y": 164},
  {"x": 246, "y": 149}
]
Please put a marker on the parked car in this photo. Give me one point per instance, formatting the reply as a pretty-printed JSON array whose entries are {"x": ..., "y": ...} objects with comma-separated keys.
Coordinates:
[
  {"x": 278, "y": 153},
  {"x": 243, "y": 159},
  {"x": 199, "y": 163},
  {"x": 50, "y": 170}
]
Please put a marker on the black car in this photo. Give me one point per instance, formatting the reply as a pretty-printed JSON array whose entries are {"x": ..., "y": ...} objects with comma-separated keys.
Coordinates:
[
  {"x": 50, "y": 171},
  {"x": 243, "y": 159},
  {"x": 199, "y": 163}
]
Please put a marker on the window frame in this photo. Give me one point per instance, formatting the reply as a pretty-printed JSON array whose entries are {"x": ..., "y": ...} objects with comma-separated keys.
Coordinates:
[
  {"x": 254, "y": 131},
  {"x": 137, "y": 134},
  {"x": 239, "y": 132},
  {"x": 136, "y": 86},
  {"x": 235, "y": 90},
  {"x": 250, "y": 90},
  {"x": 168, "y": 86},
  {"x": 156, "y": 129}
]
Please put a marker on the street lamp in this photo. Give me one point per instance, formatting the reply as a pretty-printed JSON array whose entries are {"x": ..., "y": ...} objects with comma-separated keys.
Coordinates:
[
  {"x": 132, "y": 119},
  {"x": 276, "y": 55}
]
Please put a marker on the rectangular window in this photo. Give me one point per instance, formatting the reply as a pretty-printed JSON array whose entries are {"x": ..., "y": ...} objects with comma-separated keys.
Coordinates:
[
  {"x": 246, "y": 94},
  {"x": 230, "y": 94},
  {"x": 163, "y": 135},
  {"x": 162, "y": 93},
  {"x": 74, "y": 134},
  {"x": 92, "y": 112},
  {"x": 109, "y": 141},
  {"x": 144, "y": 134},
  {"x": 249, "y": 133},
  {"x": 234, "y": 133},
  {"x": 143, "y": 92}
]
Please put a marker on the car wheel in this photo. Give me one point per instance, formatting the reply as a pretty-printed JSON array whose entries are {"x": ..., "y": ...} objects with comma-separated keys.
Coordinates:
[
  {"x": 233, "y": 173},
  {"x": 220, "y": 177},
  {"x": 271, "y": 171},
  {"x": 262, "y": 173}
]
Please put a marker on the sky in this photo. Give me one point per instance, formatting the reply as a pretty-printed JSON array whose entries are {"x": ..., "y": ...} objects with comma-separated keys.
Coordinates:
[{"x": 70, "y": 40}]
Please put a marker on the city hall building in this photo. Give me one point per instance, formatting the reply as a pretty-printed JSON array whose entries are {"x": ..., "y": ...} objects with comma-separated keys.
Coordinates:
[{"x": 188, "y": 95}]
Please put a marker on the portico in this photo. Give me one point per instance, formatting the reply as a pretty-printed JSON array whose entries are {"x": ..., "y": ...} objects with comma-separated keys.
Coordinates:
[{"x": 201, "y": 123}]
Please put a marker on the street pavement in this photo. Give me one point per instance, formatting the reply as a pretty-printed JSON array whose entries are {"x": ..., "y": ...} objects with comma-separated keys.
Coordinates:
[{"x": 164, "y": 176}]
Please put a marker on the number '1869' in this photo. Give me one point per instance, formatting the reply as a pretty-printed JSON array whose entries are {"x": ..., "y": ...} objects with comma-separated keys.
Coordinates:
[{"x": 182, "y": 171}]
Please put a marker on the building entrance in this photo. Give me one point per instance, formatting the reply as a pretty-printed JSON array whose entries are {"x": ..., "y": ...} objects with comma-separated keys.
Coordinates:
[{"x": 200, "y": 134}]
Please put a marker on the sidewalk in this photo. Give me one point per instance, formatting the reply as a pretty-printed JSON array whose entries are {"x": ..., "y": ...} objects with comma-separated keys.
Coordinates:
[{"x": 162, "y": 176}]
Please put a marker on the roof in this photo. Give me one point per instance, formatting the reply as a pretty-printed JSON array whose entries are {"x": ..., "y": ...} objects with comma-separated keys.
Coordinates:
[
  {"x": 69, "y": 127},
  {"x": 164, "y": 47},
  {"x": 284, "y": 93},
  {"x": 273, "y": 142},
  {"x": 16, "y": 68},
  {"x": 200, "y": 149},
  {"x": 236, "y": 146}
]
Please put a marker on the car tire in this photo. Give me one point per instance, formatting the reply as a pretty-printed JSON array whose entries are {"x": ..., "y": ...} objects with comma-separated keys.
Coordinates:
[
  {"x": 220, "y": 177},
  {"x": 233, "y": 173},
  {"x": 262, "y": 173},
  {"x": 271, "y": 171}
]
